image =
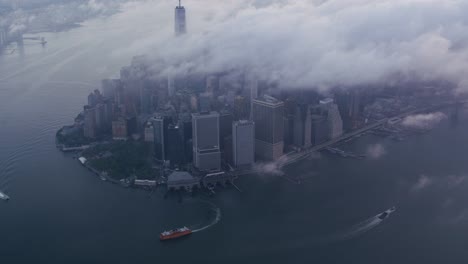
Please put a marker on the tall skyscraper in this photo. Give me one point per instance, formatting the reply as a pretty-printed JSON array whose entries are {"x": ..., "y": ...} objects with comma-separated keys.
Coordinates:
[
  {"x": 180, "y": 21},
  {"x": 319, "y": 125},
  {"x": 225, "y": 127},
  {"x": 90, "y": 122},
  {"x": 175, "y": 146},
  {"x": 268, "y": 117},
  {"x": 149, "y": 133},
  {"x": 302, "y": 126},
  {"x": 160, "y": 125},
  {"x": 252, "y": 86},
  {"x": 119, "y": 129},
  {"x": 243, "y": 143},
  {"x": 335, "y": 123},
  {"x": 206, "y": 150}
]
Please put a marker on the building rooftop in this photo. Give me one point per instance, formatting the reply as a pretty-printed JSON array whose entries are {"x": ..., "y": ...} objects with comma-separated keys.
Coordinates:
[
  {"x": 177, "y": 176},
  {"x": 268, "y": 100},
  {"x": 207, "y": 114},
  {"x": 326, "y": 101}
]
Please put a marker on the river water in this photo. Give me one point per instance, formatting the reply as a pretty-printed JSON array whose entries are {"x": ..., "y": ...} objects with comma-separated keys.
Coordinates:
[{"x": 60, "y": 213}]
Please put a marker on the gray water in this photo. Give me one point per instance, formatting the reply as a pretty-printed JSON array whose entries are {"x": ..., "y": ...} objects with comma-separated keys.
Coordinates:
[{"x": 60, "y": 213}]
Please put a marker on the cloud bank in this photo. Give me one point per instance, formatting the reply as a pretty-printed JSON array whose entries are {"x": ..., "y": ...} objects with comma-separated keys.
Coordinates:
[
  {"x": 313, "y": 44},
  {"x": 423, "y": 121}
]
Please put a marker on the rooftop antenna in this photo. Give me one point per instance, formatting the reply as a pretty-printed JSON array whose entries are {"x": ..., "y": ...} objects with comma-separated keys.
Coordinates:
[{"x": 179, "y": 3}]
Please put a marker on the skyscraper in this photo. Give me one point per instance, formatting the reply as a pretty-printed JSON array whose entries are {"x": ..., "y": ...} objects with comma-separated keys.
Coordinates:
[
  {"x": 302, "y": 126},
  {"x": 119, "y": 129},
  {"x": 335, "y": 123},
  {"x": 268, "y": 117},
  {"x": 90, "y": 122},
  {"x": 175, "y": 146},
  {"x": 243, "y": 143},
  {"x": 206, "y": 150},
  {"x": 160, "y": 125},
  {"x": 180, "y": 21},
  {"x": 319, "y": 125}
]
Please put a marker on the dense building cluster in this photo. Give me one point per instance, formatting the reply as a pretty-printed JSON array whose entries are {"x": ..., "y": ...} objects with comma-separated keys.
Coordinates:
[
  {"x": 209, "y": 122},
  {"x": 214, "y": 121}
]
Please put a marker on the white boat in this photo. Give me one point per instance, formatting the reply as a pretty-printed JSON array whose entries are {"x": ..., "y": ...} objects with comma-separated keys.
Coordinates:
[
  {"x": 4, "y": 197},
  {"x": 387, "y": 213}
]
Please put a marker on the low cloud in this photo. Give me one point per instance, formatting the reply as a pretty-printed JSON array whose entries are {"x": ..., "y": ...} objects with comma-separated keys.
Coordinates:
[
  {"x": 375, "y": 151},
  {"x": 445, "y": 182},
  {"x": 423, "y": 121},
  {"x": 423, "y": 182},
  {"x": 313, "y": 44},
  {"x": 455, "y": 180},
  {"x": 271, "y": 168}
]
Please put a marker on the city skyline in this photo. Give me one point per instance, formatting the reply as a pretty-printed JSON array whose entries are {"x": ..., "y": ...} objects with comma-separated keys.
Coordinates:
[{"x": 252, "y": 131}]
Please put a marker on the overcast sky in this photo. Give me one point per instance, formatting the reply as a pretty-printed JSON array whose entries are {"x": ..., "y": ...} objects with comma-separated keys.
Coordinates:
[{"x": 309, "y": 43}]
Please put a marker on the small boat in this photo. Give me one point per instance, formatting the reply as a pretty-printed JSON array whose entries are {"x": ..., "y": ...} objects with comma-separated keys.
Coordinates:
[
  {"x": 385, "y": 214},
  {"x": 176, "y": 233},
  {"x": 4, "y": 197}
]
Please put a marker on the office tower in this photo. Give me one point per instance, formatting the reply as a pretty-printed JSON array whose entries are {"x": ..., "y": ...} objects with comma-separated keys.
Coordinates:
[
  {"x": 175, "y": 146},
  {"x": 160, "y": 125},
  {"x": 243, "y": 143},
  {"x": 180, "y": 20},
  {"x": 268, "y": 117},
  {"x": 349, "y": 104},
  {"x": 206, "y": 151},
  {"x": 212, "y": 83},
  {"x": 185, "y": 121},
  {"x": 171, "y": 89},
  {"x": 100, "y": 117},
  {"x": 241, "y": 108},
  {"x": 290, "y": 105},
  {"x": 204, "y": 102},
  {"x": 193, "y": 103},
  {"x": 252, "y": 87},
  {"x": 146, "y": 99},
  {"x": 110, "y": 88},
  {"x": 302, "y": 126},
  {"x": 335, "y": 123},
  {"x": 90, "y": 122},
  {"x": 119, "y": 129},
  {"x": 149, "y": 132},
  {"x": 319, "y": 125},
  {"x": 132, "y": 125},
  {"x": 225, "y": 127}
]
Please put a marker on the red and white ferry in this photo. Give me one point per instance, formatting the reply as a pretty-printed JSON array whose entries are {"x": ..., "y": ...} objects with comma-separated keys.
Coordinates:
[{"x": 176, "y": 233}]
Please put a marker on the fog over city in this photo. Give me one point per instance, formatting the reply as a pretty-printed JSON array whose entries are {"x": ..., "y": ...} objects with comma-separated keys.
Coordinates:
[
  {"x": 315, "y": 44},
  {"x": 243, "y": 131}
]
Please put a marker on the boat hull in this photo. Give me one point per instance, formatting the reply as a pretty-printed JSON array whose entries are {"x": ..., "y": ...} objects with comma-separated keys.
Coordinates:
[{"x": 174, "y": 235}]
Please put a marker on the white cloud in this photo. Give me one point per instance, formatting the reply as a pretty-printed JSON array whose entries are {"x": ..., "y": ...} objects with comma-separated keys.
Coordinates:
[
  {"x": 271, "y": 168},
  {"x": 424, "y": 121},
  {"x": 304, "y": 43},
  {"x": 423, "y": 182},
  {"x": 375, "y": 151}
]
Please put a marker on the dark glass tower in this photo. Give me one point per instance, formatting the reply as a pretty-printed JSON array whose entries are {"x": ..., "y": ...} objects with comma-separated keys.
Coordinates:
[{"x": 180, "y": 21}]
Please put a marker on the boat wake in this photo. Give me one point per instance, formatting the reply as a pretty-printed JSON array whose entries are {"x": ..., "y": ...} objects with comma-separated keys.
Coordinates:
[
  {"x": 362, "y": 228},
  {"x": 366, "y": 225},
  {"x": 214, "y": 221}
]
